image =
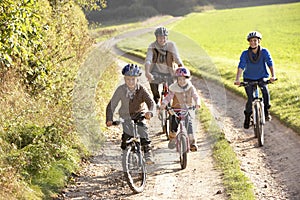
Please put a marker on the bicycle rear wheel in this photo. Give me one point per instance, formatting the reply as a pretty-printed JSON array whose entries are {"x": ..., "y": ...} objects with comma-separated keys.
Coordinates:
[
  {"x": 134, "y": 168},
  {"x": 182, "y": 149},
  {"x": 259, "y": 126}
]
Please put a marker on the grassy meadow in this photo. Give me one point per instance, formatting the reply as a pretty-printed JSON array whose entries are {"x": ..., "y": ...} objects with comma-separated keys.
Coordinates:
[{"x": 211, "y": 43}]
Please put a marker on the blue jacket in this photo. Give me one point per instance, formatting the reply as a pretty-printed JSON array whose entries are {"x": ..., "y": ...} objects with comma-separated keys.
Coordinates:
[{"x": 255, "y": 69}]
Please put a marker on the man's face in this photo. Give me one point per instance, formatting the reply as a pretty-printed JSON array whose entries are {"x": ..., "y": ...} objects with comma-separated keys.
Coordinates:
[
  {"x": 131, "y": 81},
  {"x": 254, "y": 42},
  {"x": 161, "y": 40}
]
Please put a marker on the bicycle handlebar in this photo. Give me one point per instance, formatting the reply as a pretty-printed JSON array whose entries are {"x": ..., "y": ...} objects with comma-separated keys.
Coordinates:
[
  {"x": 173, "y": 111},
  {"x": 244, "y": 84},
  {"x": 137, "y": 119}
]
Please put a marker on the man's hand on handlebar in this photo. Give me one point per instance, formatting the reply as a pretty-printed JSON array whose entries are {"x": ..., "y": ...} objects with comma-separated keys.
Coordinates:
[{"x": 149, "y": 76}]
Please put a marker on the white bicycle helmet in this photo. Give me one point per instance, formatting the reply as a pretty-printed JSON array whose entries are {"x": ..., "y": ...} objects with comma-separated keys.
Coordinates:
[
  {"x": 131, "y": 70},
  {"x": 161, "y": 31},
  {"x": 254, "y": 34}
]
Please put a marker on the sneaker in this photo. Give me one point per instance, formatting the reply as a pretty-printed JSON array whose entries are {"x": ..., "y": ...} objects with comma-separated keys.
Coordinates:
[
  {"x": 247, "y": 120},
  {"x": 172, "y": 135},
  {"x": 193, "y": 147},
  {"x": 148, "y": 158},
  {"x": 268, "y": 117},
  {"x": 172, "y": 144},
  {"x": 192, "y": 141}
]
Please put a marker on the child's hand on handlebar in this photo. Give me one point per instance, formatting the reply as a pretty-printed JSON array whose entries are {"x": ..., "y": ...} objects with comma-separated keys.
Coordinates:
[
  {"x": 162, "y": 107},
  {"x": 109, "y": 123},
  {"x": 148, "y": 115}
]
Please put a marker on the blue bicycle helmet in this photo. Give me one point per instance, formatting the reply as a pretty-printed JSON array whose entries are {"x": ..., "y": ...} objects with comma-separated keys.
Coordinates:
[
  {"x": 161, "y": 31},
  {"x": 254, "y": 34},
  {"x": 131, "y": 70}
]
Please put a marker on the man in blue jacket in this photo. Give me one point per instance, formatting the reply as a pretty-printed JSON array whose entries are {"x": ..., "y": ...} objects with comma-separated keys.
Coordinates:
[{"x": 254, "y": 64}]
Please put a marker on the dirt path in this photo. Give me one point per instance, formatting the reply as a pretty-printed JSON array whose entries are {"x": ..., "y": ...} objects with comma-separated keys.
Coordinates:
[
  {"x": 274, "y": 168},
  {"x": 102, "y": 178}
]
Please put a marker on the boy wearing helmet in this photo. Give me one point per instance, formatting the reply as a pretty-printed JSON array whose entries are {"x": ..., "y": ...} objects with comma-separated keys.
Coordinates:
[
  {"x": 182, "y": 92},
  {"x": 160, "y": 60},
  {"x": 132, "y": 97},
  {"x": 254, "y": 64}
]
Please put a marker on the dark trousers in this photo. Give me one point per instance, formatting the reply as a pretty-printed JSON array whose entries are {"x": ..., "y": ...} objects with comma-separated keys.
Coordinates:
[
  {"x": 174, "y": 123},
  {"x": 128, "y": 133}
]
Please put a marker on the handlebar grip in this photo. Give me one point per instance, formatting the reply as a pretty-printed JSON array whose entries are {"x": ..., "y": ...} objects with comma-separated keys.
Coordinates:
[{"x": 116, "y": 123}]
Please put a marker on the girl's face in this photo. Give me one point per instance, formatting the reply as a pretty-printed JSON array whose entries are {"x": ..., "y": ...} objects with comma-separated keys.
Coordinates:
[
  {"x": 182, "y": 81},
  {"x": 254, "y": 42},
  {"x": 161, "y": 40},
  {"x": 131, "y": 82}
]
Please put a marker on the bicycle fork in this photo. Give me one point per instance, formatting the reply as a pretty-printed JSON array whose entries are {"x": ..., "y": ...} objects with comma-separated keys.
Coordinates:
[{"x": 179, "y": 138}]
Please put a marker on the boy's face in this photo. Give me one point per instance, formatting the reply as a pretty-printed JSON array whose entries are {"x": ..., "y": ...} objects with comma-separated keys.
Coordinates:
[
  {"x": 182, "y": 81},
  {"x": 254, "y": 42},
  {"x": 131, "y": 81},
  {"x": 161, "y": 40}
]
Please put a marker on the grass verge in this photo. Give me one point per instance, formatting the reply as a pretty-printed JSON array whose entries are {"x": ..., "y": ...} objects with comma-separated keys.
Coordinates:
[{"x": 237, "y": 185}]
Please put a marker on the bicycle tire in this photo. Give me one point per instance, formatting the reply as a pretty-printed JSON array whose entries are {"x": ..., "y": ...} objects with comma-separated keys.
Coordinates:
[
  {"x": 165, "y": 124},
  {"x": 183, "y": 151},
  {"x": 134, "y": 168},
  {"x": 259, "y": 130}
]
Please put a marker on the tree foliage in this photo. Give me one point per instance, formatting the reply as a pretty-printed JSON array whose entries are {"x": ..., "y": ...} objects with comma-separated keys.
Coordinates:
[{"x": 42, "y": 44}]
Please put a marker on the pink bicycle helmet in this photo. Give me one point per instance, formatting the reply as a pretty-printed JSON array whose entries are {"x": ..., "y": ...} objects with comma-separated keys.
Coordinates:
[{"x": 182, "y": 71}]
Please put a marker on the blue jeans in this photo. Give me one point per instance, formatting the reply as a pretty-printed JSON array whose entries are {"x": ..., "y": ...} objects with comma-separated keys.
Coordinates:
[{"x": 265, "y": 93}]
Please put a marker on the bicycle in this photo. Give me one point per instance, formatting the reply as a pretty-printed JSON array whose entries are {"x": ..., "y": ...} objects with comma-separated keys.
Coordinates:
[
  {"x": 258, "y": 113},
  {"x": 163, "y": 115},
  {"x": 133, "y": 161},
  {"x": 181, "y": 140}
]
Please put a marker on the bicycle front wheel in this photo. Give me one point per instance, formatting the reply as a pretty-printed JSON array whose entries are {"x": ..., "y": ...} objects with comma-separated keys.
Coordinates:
[
  {"x": 259, "y": 126},
  {"x": 182, "y": 149},
  {"x": 134, "y": 168},
  {"x": 165, "y": 124}
]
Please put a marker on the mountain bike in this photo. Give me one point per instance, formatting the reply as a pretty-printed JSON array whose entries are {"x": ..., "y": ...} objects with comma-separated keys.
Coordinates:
[
  {"x": 163, "y": 115},
  {"x": 258, "y": 113},
  {"x": 181, "y": 140},
  {"x": 133, "y": 161}
]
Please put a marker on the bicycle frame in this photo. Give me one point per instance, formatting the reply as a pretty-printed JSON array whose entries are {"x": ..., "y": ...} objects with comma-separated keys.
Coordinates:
[
  {"x": 257, "y": 100},
  {"x": 182, "y": 132},
  {"x": 133, "y": 160},
  {"x": 258, "y": 111},
  {"x": 163, "y": 116},
  {"x": 182, "y": 139}
]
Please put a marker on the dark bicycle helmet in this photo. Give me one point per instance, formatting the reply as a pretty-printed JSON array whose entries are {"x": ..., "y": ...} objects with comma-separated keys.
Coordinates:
[
  {"x": 161, "y": 31},
  {"x": 131, "y": 70},
  {"x": 254, "y": 34},
  {"x": 182, "y": 71}
]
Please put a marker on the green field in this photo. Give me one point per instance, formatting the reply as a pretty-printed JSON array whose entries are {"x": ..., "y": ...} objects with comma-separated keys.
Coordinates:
[{"x": 212, "y": 42}]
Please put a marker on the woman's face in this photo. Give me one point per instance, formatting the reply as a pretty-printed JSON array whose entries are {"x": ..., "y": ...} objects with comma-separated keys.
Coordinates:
[
  {"x": 254, "y": 42},
  {"x": 161, "y": 40},
  {"x": 182, "y": 81},
  {"x": 131, "y": 81}
]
